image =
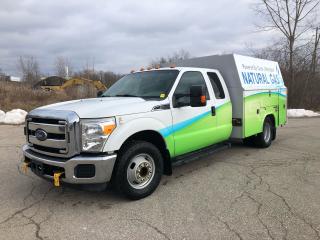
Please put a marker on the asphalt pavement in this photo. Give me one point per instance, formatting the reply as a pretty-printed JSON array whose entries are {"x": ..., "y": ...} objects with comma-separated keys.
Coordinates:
[{"x": 237, "y": 193}]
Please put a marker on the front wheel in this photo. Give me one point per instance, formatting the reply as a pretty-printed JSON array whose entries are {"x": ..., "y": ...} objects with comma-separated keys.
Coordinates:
[{"x": 139, "y": 169}]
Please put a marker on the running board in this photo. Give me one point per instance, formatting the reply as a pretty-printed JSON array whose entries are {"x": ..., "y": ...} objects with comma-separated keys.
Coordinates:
[{"x": 189, "y": 157}]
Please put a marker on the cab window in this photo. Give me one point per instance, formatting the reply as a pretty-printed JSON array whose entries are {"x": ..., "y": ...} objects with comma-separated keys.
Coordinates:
[
  {"x": 188, "y": 79},
  {"x": 216, "y": 85}
]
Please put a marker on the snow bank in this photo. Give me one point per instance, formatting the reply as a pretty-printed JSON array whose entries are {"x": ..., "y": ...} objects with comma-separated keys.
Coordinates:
[
  {"x": 2, "y": 115},
  {"x": 301, "y": 113},
  {"x": 15, "y": 116}
]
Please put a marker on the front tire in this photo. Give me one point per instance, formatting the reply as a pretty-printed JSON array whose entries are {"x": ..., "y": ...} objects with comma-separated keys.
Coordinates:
[{"x": 139, "y": 169}]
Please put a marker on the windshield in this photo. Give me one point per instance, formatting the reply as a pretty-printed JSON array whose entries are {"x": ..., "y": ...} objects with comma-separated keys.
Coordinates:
[{"x": 150, "y": 84}]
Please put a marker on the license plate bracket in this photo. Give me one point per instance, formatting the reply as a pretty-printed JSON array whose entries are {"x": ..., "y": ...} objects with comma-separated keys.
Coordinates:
[{"x": 37, "y": 168}]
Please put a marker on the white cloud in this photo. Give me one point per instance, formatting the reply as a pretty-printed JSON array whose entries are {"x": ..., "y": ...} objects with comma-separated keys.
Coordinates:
[{"x": 120, "y": 35}]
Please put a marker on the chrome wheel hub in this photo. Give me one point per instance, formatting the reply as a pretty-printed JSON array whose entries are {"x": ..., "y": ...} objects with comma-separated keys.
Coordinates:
[{"x": 140, "y": 171}]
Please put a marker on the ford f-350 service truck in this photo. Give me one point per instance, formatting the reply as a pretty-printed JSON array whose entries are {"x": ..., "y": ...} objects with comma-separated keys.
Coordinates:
[{"x": 148, "y": 120}]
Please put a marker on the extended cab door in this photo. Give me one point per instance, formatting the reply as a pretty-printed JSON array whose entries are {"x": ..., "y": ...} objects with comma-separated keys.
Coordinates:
[
  {"x": 223, "y": 106},
  {"x": 193, "y": 127}
]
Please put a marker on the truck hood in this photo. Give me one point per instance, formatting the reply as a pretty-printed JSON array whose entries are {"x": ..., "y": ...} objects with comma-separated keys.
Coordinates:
[{"x": 104, "y": 107}]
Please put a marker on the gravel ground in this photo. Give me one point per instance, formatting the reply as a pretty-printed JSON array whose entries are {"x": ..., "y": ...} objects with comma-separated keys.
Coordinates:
[{"x": 237, "y": 193}]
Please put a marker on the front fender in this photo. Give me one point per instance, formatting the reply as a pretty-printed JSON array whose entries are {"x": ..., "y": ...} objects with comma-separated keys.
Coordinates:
[{"x": 127, "y": 127}]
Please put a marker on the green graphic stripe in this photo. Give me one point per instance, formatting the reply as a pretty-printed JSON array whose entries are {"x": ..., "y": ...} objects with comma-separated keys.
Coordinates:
[
  {"x": 203, "y": 130},
  {"x": 178, "y": 126}
]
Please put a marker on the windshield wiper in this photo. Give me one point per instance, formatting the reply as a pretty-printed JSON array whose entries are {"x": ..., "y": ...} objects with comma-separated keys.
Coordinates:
[
  {"x": 125, "y": 95},
  {"x": 156, "y": 97},
  {"x": 130, "y": 95}
]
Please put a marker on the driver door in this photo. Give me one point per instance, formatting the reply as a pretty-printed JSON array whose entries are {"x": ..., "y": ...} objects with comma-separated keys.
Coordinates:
[{"x": 193, "y": 127}]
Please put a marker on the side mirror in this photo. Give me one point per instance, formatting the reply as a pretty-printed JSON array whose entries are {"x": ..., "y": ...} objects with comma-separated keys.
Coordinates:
[
  {"x": 99, "y": 93},
  {"x": 197, "y": 96}
]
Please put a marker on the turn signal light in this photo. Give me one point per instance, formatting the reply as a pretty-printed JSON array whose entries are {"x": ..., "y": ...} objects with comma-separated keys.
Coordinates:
[{"x": 108, "y": 128}]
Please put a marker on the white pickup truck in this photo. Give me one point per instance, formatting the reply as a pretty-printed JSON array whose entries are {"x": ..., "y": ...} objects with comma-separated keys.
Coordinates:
[{"x": 150, "y": 119}]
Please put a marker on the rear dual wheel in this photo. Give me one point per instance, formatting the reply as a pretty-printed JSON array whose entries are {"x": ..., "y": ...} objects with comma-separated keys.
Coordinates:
[{"x": 263, "y": 139}]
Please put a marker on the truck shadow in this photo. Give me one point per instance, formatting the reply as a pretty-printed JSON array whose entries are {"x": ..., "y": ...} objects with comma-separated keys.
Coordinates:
[{"x": 104, "y": 197}]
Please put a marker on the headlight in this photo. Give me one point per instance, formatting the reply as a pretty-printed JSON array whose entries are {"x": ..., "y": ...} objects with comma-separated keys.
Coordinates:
[{"x": 95, "y": 132}]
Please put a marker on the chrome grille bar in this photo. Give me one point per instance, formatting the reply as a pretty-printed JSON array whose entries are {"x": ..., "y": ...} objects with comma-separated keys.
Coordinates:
[
  {"x": 50, "y": 128},
  {"x": 52, "y": 143},
  {"x": 62, "y": 129}
]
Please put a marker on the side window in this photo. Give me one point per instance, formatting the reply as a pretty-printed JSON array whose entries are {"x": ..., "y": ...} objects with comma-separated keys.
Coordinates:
[
  {"x": 188, "y": 79},
  {"x": 216, "y": 85}
]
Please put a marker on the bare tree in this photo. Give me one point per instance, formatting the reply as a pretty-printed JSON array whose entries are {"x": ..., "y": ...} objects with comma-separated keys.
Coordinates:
[
  {"x": 173, "y": 58},
  {"x": 2, "y": 75},
  {"x": 290, "y": 17},
  {"x": 63, "y": 67},
  {"x": 314, "y": 58},
  {"x": 29, "y": 68},
  {"x": 313, "y": 64}
]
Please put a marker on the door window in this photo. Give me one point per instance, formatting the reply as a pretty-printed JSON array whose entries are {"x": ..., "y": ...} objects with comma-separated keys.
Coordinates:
[
  {"x": 182, "y": 92},
  {"x": 216, "y": 85}
]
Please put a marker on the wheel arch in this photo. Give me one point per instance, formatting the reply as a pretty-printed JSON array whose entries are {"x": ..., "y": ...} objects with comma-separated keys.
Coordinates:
[
  {"x": 156, "y": 139},
  {"x": 272, "y": 118}
]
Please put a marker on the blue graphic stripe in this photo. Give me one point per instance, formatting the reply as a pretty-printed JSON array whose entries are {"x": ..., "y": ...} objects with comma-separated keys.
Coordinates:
[{"x": 178, "y": 126}]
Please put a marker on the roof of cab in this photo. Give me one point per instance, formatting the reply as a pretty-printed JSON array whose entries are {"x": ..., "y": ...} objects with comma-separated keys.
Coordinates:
[{"x": 176, "y": 68}]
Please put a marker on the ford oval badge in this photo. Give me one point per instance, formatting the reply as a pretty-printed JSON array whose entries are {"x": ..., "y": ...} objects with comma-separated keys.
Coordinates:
[{"x": 41, "y": 135}]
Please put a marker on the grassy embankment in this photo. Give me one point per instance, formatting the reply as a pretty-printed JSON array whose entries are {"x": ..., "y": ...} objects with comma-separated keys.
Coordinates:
[{"x": 19, "y": 95}]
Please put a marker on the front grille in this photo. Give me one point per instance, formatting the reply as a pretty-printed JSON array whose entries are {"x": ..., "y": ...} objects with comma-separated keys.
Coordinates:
[
  {"x": 48, "y": 149},
  {"x": 61, "y": 133},
  {"x": 45, "y": 120},
  {"x": 50, "y": 135}
]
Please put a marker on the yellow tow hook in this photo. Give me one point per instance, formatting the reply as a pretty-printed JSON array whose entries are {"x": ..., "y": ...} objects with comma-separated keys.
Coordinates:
[
  {"x": 56, "y": 178},
  {"x": 25, "y": 167}
]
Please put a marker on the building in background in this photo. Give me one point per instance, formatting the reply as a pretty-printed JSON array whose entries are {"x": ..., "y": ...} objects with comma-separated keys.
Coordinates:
[{"x": 8, "y": 78}]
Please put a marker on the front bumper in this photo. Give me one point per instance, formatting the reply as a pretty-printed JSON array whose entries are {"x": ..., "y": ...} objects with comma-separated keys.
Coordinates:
[{"x": 103, "y": 166}]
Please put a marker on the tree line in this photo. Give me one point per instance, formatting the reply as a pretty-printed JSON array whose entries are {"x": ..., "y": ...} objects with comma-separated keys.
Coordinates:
[{"x": 29, "y": 68}]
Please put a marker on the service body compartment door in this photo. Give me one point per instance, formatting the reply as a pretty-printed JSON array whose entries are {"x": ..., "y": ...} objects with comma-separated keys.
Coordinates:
[
  {"x": 252, "y": 112},
  {"x": 282, "y": 106}
]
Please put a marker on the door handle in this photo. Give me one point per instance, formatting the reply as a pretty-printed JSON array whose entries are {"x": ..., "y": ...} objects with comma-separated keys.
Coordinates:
[{"x": 213, "y": 110}]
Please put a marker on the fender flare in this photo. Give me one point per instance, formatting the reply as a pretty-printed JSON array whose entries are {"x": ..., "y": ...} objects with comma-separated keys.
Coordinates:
[{"x": 131, "y": 127}]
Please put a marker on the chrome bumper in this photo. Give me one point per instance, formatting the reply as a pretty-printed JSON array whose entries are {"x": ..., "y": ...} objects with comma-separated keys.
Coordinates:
[{"x": 103, "y": 166}]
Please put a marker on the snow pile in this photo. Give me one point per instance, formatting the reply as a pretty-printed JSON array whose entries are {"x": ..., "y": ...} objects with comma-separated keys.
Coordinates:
[
  {"x": 2, "y": 116},
  {"x": 15, "y": 116},
  {"x": 301, "y": 113}
]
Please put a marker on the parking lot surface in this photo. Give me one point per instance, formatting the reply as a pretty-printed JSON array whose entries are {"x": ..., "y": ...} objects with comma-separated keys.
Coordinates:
[{"x": 237, "y": 193}]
